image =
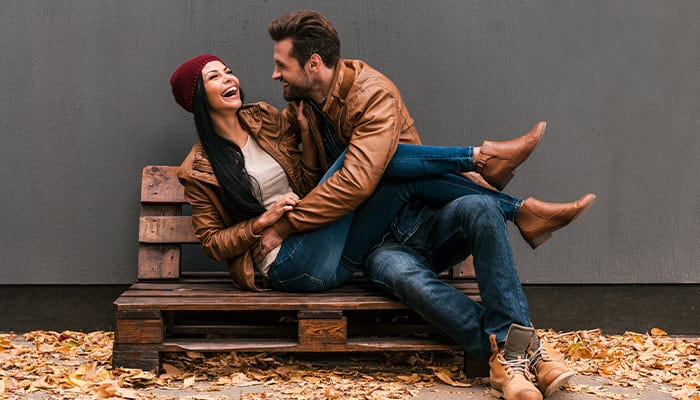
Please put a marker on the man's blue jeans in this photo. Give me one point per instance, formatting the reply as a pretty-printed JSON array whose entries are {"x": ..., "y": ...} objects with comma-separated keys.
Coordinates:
[
  {"x": 322, "y": 259},
  {"x": 473, "y": 225}
]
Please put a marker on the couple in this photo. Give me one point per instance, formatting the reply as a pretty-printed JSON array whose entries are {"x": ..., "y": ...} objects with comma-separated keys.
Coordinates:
[{"x": 338, "y": 182}]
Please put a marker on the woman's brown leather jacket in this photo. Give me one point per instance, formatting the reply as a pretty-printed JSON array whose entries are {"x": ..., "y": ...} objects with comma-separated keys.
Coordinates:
[{"x": 228, "y": 237}]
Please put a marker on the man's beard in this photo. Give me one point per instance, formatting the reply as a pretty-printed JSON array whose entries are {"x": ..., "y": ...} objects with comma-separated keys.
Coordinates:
[{"x": 298, "y": 92}]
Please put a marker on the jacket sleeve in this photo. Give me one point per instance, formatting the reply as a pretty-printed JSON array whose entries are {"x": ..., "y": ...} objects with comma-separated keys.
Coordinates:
[
  {"x": 373, "y": 141},
  {"x": 218, "y": 241}
]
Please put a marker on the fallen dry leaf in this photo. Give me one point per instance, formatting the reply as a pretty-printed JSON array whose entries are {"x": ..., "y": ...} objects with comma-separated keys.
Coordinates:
[{"x": 446, "y": 377}]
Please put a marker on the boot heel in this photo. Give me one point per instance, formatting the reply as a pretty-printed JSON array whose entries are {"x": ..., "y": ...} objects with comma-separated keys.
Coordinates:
[
  {"x": 505, "y": 180},
  {"x": 539, "y": 240}
]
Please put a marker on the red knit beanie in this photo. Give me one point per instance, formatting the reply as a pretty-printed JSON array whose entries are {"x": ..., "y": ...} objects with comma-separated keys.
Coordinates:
[{"x": 184, "y": 79}]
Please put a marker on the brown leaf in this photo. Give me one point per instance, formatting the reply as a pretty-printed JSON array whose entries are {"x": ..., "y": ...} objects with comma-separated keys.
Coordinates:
[
  {"x": 445, "y": 376},
  {"x": 658, "y": 332}
]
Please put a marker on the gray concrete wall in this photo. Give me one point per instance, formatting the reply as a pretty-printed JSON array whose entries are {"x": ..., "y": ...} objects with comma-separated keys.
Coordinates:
[{"x": 86, "y": 104}]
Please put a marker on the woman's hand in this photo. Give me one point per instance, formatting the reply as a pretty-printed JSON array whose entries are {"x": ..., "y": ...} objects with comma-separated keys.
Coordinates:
[
  {"x": 309, "y": 153},
  {"x": 301, "y": 119},
  {"x": 285, "y": 203}
]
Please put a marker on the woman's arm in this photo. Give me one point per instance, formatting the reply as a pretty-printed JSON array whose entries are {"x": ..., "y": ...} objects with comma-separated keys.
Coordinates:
[
  {"x": 308, "y": 167},
  {"x": 219, "y": 241},
  {"x": 309, "y": 156}
]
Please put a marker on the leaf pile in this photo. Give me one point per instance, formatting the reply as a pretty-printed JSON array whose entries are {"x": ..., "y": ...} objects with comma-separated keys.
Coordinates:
[
  {"x": 75, "y": 365},
  {"x": 632, "y": 360},
  {"x": 399, "y": 376}
]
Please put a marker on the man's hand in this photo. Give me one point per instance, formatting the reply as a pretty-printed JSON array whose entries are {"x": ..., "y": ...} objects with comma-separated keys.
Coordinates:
[
  {"x": 285, "y": 203},
  {"x": 270, "y": 239}
]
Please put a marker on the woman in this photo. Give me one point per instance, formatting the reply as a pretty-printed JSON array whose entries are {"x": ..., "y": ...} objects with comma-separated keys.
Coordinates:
[{"x": 247, "y": 170}]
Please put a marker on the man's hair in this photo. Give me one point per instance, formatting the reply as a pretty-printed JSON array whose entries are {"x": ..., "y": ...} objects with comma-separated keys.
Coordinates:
[{"x": 311, "y": 33}]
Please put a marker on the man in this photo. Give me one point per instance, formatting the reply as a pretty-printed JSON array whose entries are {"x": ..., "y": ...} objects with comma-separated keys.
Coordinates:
[{"x": 356, "y": 109}]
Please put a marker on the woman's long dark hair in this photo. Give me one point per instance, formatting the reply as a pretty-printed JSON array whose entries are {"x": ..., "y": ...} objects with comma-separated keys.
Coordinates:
[{"x": 226, "y": 159}]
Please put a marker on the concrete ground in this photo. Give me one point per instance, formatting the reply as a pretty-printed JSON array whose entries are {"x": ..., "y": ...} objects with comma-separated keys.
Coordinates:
[{"x": 579, "y": 388}]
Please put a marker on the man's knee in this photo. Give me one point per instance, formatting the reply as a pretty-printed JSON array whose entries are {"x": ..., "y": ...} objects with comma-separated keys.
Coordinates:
[
  {"x": 400, "y": 270},
  {"x": 477, "y": 210},
  {"x": 390, "y": 262}
]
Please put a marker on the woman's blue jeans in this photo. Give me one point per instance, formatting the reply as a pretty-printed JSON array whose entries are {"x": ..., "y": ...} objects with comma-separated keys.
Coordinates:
[{"x": 327, "y": 257}]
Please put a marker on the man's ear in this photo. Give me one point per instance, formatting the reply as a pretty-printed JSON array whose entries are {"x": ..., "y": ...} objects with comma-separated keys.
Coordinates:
[{"x": 315, "y": 63}]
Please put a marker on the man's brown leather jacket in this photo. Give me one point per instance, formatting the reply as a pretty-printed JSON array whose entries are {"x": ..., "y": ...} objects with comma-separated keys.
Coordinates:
[
  {"x": 229, "y": 237},
  {"x": 371, "y": 117}
]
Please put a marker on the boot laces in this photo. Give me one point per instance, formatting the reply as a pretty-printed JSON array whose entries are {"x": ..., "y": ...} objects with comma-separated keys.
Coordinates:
[
  {"x": 538, "y": 356},
  {"x": 516, "y": 366}
]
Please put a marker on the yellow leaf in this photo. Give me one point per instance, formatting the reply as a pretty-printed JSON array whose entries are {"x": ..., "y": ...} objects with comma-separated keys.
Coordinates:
[
  {"x": 409, "y": 379},
  {"x": 105, "y": 391},
  {"x": 188, "y": 382},
  {"x": 195, "y": 355},
  {"x": 171, "y": 369},
  {"x": 74, "y": 380},
  {"x": 658, "y": 332},
  {"x": 223, "y": 381},
  {"x": 444, "y": 376}
]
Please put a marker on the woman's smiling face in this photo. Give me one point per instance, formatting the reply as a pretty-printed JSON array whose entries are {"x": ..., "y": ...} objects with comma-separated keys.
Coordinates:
[{"x": 221, "y": 86}]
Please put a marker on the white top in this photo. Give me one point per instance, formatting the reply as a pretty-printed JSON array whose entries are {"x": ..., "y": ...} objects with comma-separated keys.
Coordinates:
[{"x": 273, "y": 182}]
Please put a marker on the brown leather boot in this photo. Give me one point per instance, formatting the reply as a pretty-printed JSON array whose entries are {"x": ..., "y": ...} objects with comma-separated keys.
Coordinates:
[
  {"x": 537, "y": 219},
  {"x": 548, "y": 365},
  {"x": 497, "y": 160},
  {"x": 509, "y": 375}
]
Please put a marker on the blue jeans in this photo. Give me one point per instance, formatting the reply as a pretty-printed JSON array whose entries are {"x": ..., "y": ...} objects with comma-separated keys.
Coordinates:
[
  {"x": 322, "y": 259},
  {"x": 409, "y": 270}
]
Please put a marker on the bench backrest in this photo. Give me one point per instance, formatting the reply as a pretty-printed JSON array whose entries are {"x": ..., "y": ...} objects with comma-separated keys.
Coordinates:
[{"x": 163, "y": 228}]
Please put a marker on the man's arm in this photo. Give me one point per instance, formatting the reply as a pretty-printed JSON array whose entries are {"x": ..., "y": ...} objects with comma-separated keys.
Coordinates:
[{"x": 377, "y": 128}]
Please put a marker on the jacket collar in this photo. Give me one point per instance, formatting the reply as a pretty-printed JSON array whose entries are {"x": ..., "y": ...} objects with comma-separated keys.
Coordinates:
[
  {"x": 250, "y": 116},
  {"x": 343, "y": 78}
]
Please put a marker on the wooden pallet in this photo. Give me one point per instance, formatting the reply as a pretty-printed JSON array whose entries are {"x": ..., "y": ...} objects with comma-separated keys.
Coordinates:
[{"x": 171, "y": 310}]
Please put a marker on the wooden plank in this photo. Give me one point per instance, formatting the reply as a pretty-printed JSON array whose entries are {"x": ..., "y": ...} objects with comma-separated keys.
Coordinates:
[
  {"x": 159, "y": 184},
  {"x": 166, "y": 229},
  {"x": 349, "y": 296},
  {"x": 225, "y": 286},
  {"x": 256, "y": 303},
  {"x": 322, "y": 327},
  {"x": 138, "y": 331},
  {"x": 291, "y": 345},
  {"x": 260, "y": 303},
  {"x": 320, "y": 314},
  {"x": 138, "y": 314},
  {"x": 161, "y": 209},
  {"x": 141, "y": 357},
  {"x": 158, "y": 261},
  {"x": 202, "y": 330}
]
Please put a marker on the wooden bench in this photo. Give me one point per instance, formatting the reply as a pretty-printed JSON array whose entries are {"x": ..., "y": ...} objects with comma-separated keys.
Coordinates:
[{"x": 174, "y": 309}]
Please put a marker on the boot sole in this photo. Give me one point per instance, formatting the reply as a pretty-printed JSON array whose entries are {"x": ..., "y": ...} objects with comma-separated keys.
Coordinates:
[
  {"x": 496, "y": 393},
  {"x": 558, "y": 383}
]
